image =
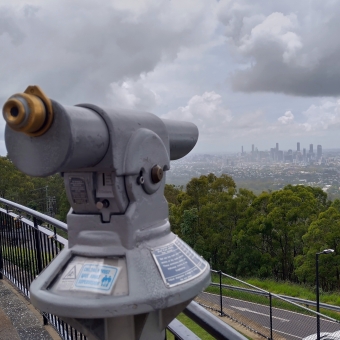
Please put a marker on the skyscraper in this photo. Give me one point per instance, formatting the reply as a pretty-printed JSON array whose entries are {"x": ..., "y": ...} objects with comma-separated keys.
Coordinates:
[
  {"x": 319, "y": 151},
  {"x": 298, "y": 146},
  {"x": 310, "y": 148},
  {"x": 252, "y": 148},
  {"x": 289, "y": 155},
  {"x": 272, "y": 153},
  {"x": 277, "y": 146}
]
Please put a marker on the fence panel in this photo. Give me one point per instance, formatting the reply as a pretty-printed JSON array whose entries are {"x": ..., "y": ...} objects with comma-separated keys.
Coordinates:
[
  {"x": 268, "y": 315},
  {"x": 292, "y": 321},
  {"x": 26, "y": 248},
  {"x": 249, "y": 308}
]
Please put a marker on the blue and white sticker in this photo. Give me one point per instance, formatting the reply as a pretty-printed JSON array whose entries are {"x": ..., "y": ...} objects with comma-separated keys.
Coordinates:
[
  {"x": 91, "y": 275},
  {"x": 96, "y": 277},
  {"x": 178, "y": 263}
]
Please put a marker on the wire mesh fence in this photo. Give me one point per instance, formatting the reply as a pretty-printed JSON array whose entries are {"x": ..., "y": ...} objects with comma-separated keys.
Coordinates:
[{"x": 268, "y": 315}]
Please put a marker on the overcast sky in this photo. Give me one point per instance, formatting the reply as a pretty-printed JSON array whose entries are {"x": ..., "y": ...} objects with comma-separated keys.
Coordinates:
[{"x": 246, "y": 72}]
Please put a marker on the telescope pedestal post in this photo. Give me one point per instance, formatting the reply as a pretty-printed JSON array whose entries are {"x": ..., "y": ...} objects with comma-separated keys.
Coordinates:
[
  {"x": 129, "y": 327},
  {"x": 134, "y": 328},
  {"x": 120, "y": 328}
]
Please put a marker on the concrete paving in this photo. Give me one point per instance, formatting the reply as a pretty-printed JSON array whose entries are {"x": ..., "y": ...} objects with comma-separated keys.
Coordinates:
[
  {"x": 19, "y": 320},
  {"x": 7, "y": 330}
]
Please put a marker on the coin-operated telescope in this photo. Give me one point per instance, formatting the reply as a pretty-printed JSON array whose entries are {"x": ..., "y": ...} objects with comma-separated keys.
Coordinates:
[{"x": 124, "y": 274}]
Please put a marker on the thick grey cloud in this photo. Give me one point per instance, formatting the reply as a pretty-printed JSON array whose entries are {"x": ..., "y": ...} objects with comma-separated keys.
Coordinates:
[
  {"x": 173, "y": 58},
  {"x": 207, "y": 112},
  {"x": 289, "y": 47},
  {"x": 75, "y": 49},
  {"x": 133, "y": 95}
]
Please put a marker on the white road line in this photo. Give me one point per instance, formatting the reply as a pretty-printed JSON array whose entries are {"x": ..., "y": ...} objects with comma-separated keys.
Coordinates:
[
  {"x": 251, "y": 311},
  {"x": 294, "y": 336}
]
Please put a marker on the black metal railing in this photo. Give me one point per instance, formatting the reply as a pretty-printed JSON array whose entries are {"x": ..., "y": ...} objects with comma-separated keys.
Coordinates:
[
  {"x": 269, "y": 315},
  {"x": 29, "y": 241}
]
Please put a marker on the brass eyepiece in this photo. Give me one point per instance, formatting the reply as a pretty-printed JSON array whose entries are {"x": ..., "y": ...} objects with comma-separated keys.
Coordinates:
[{"x": 29, "y": 112}]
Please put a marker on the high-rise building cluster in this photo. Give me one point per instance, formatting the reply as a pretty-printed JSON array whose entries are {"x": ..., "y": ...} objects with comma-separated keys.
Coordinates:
[{"x": 292, "y": 156}]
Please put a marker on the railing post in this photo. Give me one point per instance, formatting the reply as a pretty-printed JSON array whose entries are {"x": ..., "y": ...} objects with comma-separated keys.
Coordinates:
[
  {"x": 39, "y": 256},
  {"x": 45, "y": 320},
  {"x": 221, "y": 296},
  {"x": 37, "y": 245},
  {"x": 271, "y": 316},
  {"x": 1, "y": 257},
  {"x": 3, "y": 227}
]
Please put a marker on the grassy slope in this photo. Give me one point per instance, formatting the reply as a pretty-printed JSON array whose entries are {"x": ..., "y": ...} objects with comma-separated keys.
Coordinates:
[
  {"x": 200, "y": 332},
  {"x": 285, "y": 288},
  {"x": 295, "y": 290},
  {"x": 282, "y": 288}
]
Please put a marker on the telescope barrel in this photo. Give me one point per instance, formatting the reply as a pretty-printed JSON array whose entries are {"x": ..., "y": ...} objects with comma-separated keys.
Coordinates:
[
  {"x": 183, "y": 137},
  {"x": 44, "y": 137},
  {"x": 78, "y": 138}
]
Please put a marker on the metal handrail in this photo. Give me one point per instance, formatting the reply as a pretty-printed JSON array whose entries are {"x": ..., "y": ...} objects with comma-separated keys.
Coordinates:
[
  {"x": 180, "y": 331},
  {"x": 278, "y": 297},
  {"x": 198, "y": 314},
  {"x": 208, "y": 321},
  {"x": 290, "y": 298},
  {"x": 42, "y": 229},
  {"x": 40, "y": 216}
]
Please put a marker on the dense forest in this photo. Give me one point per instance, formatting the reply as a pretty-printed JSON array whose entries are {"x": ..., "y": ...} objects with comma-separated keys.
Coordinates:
[
  {"x": 270, "y": 235},
  {"x": 33, "y": 192}
]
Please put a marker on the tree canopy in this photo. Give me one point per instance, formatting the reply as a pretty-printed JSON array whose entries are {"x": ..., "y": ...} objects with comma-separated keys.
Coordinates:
[
  {"x": 272, "y": 235},
  {"x": 34, "y": 192}
]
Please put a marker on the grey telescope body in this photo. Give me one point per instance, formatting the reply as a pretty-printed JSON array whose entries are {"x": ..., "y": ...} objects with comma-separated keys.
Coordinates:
[
  {"x": 82, "y": 136},
  {"x": 124, "y": 274}
]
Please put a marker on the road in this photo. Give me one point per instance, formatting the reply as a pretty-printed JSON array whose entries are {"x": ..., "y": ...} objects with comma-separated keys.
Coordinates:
[{"x": 286, "y": 324}]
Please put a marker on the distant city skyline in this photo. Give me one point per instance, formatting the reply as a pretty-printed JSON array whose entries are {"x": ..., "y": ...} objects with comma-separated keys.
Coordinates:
[
  {"x": 275, "y": 154},
  {"x": 298, "y": 147},
  {"x": 250, "y": 173}
]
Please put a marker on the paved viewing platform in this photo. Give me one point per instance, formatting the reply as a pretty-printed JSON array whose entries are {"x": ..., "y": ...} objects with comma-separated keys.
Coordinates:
[{"x": 19, "y": 320}]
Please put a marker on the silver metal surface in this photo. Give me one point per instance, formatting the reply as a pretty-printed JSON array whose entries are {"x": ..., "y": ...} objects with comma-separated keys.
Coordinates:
[
  {"x": 78, "y": 138},
  {"x": 183, "y": 137},
  {"x": 108, "y": 155}
]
